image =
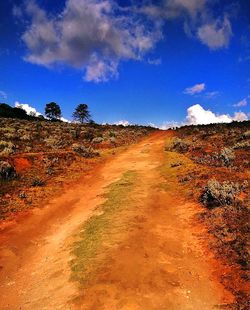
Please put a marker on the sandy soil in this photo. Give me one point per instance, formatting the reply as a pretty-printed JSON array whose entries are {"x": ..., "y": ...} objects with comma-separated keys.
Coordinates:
[{"x": 156, "y": 262}]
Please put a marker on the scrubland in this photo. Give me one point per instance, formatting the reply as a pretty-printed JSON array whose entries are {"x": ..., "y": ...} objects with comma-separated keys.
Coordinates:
[
  {"x": 178, "y": 202},
  {"x": 38, "y": 157},
  {"x": 213, "y": 166}
]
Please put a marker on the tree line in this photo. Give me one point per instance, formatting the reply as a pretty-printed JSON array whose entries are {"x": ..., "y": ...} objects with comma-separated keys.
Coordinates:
[
  {"x": 81, "y": 113},
  {"x": 52, "y": 112}
]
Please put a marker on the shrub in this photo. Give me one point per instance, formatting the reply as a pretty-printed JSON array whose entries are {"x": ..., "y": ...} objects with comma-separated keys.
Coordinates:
[
  {"x": 84, "y": 151},
  {"x": 113, "y": 140},
  {"x": 227, "y": 156},
  {"x": 38, "y": 182},
  {"x": 221, "y": 194},
  {"x": 89, "y": 134},
  {"x": 112, "y": 134},
  {"x": 245, "y": 145},
  {"x": 179, "y": 145},
  {"x": 246, "y": 134},
  {"x": 7, "y": 171},
  {"x": 97, "y": 140},
  {"x": 6, "y": 148}
]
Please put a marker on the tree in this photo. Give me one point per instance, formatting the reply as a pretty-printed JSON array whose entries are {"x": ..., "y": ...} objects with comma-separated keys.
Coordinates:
[
  {"x": 8, "y": 111},
  {"x": 53, "y": 111},
  {"x": 81, "y": 113}
]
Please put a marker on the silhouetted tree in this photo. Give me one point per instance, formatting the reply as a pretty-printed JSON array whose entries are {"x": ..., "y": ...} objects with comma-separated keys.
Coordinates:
[
  {"x": 53, "y": 111},
  {"x": 8, "y": 111},
  {"x": 81, "y": 113}
]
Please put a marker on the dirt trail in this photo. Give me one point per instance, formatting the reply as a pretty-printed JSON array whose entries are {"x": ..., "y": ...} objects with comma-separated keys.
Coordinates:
[{"x": 157, "y": 261}]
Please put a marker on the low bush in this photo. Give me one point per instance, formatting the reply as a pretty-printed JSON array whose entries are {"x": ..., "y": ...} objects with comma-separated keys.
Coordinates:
[
  {"x": 245, "y": 145},
  {"x": 246, "y": 134},
  {"x": 6, "y": 148},
  {"x": 179, "y": 145},
  {"x": 97, "y": 140},
  {"x": 227, "y": 156},
  {"x": 7, "y": 171},
  {"x": 84, "y": 151},
  {"x": 38, "y": 182},
  {"x": 221, "y": 194}
]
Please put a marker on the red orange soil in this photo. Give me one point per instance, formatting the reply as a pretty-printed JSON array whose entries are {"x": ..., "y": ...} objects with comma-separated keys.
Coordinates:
[{"x": 156, "y": 262}]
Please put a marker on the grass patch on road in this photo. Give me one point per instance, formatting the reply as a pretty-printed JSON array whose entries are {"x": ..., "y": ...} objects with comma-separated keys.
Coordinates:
[{"x": 96, "y": 233}]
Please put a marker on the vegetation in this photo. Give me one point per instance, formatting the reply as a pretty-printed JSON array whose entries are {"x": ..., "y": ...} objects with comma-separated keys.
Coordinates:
[
  {"x": 219, "y": 183},
  {"x": 7, "y": 171},
  {"x": 38, "y": 150},
  {"x": 221, "y": 194},
  {"x": 97, "y": 230},
  {"x": 9, "y": 112},
  {"x": 81, "y": 113},
  {"x": 53, "y": 111}
]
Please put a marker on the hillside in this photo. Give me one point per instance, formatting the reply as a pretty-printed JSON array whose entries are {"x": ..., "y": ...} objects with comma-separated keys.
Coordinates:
[
  {"x": 37, "y": 157},
  {"x": 113, "y": 217}
]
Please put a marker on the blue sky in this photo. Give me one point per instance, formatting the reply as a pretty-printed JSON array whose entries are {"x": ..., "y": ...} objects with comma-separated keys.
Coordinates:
[{"x": 140, "y": 61}]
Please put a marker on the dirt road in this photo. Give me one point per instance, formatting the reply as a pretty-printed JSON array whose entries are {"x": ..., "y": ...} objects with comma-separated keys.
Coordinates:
[{"x": 148, "y": 255}]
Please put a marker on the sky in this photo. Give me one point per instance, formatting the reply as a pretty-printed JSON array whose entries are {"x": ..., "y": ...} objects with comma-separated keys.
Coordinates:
[{"x": 162, "y": 62}]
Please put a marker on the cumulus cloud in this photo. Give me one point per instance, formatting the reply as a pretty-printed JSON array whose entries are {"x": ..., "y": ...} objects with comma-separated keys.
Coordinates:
[
  {"x": 3, "y": 95},
  {"x": 199, "y": 20},
  {"x": 196, "y": 89},
  {"x": 91, "y": 35},
  {"x": 30, "y": 110},
  {"x": 197, "y": 115},
  {"x": 217, "y": 34},
  {"x": 241, "y": 103}
]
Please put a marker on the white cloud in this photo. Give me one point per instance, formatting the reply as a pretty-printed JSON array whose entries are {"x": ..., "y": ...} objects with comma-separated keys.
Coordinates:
[
  {"x": 216, "y": 34},
  {"x": 197, "y": 115},
  {"x": 90, "y": 35},
  {"x": 30, "y": 110},
  {"x": 212, "y": 94},
  {"x": 170, "y": 9},
  {"x": 3, "y": 95},
  {"x": 65, "y": 120},
  {"x": 241, "y": 103},
  {"x": 240, "y": 116},
  {"x": 167, "y": 125},
  {"x": 123, "y": 123},
  {"x": 196, "y": 89},
  {"x": 199, "y": 20}
]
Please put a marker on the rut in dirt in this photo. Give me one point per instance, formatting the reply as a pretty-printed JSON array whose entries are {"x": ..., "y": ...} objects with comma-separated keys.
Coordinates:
[{"x": 124, "y": 239}]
